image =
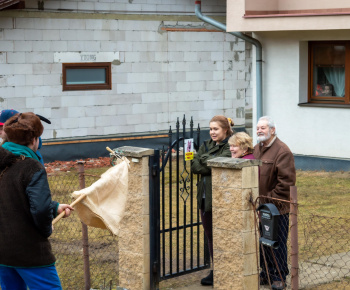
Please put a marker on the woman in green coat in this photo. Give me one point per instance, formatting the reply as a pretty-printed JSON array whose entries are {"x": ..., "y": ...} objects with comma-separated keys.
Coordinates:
[{"x": 217, "y": 146}]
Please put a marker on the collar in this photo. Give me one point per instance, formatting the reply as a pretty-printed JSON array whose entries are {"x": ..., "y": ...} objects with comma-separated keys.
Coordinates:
[
  {"x": 270, "y": 144},
  {"x": 19, "y": 150}
]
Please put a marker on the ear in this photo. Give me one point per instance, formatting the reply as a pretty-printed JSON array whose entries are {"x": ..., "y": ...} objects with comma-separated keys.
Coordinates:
[{"x": 273, "y": 130}]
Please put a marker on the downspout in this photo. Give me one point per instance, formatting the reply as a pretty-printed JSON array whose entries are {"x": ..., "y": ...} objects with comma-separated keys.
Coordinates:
[{"x": 245, "y": 37}]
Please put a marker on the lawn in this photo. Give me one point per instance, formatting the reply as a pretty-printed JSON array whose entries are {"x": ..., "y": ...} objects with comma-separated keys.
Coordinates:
[{"x": 324, "y": 216}]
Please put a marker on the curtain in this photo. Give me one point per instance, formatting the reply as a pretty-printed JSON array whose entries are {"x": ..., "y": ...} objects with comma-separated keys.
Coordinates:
[{"x": 336, "y": 77}]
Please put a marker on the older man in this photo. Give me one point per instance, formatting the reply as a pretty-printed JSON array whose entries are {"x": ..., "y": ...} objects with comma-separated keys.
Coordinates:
[{"x": 277, "y": 175}]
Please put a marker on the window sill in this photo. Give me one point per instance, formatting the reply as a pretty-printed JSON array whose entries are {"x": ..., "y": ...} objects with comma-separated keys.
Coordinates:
[{"x": 345, "y": 106}]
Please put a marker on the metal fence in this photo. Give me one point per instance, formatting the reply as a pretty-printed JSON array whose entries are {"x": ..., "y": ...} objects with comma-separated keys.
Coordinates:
[
  {"x": 86, "y": 257},
  {"x": 319, "y": 246},
  {"x": 324, "y": 251}
]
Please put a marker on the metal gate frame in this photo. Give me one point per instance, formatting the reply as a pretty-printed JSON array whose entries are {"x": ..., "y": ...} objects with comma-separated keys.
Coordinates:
[{"x": 185, "y": 192}]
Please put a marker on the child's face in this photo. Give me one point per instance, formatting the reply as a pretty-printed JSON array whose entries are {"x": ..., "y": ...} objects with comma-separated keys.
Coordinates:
[{"x": 327, "y": 90}]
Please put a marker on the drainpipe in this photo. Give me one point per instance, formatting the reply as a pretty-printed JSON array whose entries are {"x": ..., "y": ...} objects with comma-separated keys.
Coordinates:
[{"x": 245, "y": 37}]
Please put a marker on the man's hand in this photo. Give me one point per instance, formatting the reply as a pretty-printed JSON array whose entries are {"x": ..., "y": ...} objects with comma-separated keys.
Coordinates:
[{"x": 66, "y": 208}]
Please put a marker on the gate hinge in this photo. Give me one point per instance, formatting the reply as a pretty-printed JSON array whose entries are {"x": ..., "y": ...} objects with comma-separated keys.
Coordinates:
[
  {"x": 154, "y": 170},
  {"x": 154, "y": 270}
]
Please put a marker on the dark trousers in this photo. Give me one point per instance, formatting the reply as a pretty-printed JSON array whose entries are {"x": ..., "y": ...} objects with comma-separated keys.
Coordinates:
[
  {"x": 281, "y": 254},
  {"x": 207, "y": 222}
]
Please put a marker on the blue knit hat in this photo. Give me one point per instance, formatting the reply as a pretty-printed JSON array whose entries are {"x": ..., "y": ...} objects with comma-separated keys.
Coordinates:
[{"x": 6, "y": 114}]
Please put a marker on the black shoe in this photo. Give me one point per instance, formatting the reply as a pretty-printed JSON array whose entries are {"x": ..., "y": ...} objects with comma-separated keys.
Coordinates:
[
  {"x": 278, "y": 285},
  {"x": 208, "y": 281},
  {"x": 264, "y": 281}
]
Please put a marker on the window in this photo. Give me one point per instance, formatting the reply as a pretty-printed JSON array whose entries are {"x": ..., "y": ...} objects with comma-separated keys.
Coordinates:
[
  {"x": 87, "y": 76},
  {"x": 329, "y": 72}
]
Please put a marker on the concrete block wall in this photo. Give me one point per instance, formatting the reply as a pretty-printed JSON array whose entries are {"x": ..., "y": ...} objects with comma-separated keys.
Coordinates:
[
  {"x": 159, "y": 75},
  {"x": 146, "y": 6}
]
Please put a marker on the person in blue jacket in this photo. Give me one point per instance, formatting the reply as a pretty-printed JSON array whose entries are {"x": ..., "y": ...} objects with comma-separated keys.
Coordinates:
[{"x": 26, "y": 210}]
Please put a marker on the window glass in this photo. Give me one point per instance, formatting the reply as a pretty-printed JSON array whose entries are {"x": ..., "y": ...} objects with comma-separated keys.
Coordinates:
[
  {"x": 329, "y": 70},
  {"x": 86, "y": 76}
]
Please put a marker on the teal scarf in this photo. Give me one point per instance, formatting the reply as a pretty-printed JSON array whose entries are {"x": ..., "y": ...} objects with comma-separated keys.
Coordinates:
[{"x": 20, "y": 150}]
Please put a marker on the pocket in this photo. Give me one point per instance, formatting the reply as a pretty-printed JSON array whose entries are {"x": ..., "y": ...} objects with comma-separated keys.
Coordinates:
[{"x": 266, "y": 167}]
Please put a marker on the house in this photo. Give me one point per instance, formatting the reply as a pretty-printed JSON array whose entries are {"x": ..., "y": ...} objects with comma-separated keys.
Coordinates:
[
  {"x": 306, "y": 73},
  {"x": 114, "y": 73}
]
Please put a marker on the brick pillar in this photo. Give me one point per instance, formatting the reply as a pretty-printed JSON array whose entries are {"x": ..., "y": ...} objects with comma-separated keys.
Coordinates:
[
  {"x": 235, "y": 183},
  {"x": 134, "y": 239}
]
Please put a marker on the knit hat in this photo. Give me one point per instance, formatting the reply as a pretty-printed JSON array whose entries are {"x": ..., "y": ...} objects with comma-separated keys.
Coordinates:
[{"x": 6, "y": 114}]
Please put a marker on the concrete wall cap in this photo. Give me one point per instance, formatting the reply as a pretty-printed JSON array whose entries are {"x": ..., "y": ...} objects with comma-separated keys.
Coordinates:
[
  {"x": 234, "y": 163},
  {"x": 130, "y": 151}
]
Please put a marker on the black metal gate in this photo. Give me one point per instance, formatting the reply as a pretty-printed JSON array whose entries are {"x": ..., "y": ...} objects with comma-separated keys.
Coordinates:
[{"x": 177, "y": 239}]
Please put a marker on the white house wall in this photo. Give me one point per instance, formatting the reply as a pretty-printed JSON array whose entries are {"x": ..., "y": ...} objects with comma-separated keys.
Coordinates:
[
  {"x": 157, "y": 75},
  {"x": 306, "y": 130}
]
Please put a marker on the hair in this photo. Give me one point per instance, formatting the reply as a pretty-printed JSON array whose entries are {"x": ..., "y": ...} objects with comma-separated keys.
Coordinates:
[
  {"x": 224, "y": 123},
  {"x": 270, "y": 122},
  {"x": 243, "y": 141},
  {"x": 23, "y": 128}
]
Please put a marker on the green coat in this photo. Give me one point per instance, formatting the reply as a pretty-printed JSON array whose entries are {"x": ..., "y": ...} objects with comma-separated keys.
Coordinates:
[{"x": 207, "y": 151}]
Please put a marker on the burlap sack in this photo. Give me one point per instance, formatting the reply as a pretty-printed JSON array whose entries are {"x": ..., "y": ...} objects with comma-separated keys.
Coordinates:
[{"x": 105, "y": 200}]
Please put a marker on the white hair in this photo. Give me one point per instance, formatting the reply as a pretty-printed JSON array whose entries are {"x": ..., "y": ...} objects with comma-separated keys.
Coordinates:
[{"x": 270, "y": 122}]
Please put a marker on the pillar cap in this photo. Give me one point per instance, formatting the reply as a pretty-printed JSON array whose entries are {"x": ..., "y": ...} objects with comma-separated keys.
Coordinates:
[
  {"x": 234, "y": 163},
  {"x": 130, "y": 151}
]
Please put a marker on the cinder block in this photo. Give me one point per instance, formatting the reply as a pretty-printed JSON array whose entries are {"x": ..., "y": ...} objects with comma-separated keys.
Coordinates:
[
  {"x": 6, "y": 45},
  {"x": 249, "y": 196},
  {"x": 227, "y": 240},
  {"x": 37, "y": 102},
  {"x": 34, "y": 80},
  {"x": 250, "y": 264},
  {"x": 225, "y": 280},
  {"x": 223, "y": 177},
  {"x": 69, "y": 5},
  {"x": 223, "y": 217},
  {"x": 226, "y": 197},
  {"x": 250, "y": 242},
  {"x": 133, "y": 242},
  {"x": 250, "y": 177},
  {"x": 251, "y": 282},
  {"x": 14, "y": 34}
]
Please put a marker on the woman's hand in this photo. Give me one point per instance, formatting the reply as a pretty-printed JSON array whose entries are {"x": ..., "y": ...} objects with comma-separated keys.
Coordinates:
[{"x": 65, "y": 207}]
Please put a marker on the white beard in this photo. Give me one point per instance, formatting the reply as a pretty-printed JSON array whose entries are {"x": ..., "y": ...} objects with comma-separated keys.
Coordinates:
[{"x": 263, "y": 138}]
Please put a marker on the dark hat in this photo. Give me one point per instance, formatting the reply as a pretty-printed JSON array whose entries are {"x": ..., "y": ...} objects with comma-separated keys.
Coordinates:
[
  {"x": 44, "y": 119},
  {"x": 6, "y": 114}
]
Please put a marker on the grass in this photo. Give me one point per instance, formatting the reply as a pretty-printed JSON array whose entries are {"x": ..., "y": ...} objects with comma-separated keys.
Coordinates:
[
  {"x": 324, "y": 216},
  {"x": 66, "y": 239}
]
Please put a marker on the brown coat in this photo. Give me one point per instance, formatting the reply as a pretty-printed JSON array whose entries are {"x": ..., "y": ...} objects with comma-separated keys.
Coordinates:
[{"x": 277, "y": 172}]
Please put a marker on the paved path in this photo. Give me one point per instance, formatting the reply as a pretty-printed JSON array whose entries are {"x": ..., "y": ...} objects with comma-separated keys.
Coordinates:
[{"x": 311, "y": 273}]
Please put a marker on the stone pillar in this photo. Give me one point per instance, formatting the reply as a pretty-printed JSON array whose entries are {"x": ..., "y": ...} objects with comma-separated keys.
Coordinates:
[
  {"x": 134, "y": 238},
  {"x": 235, "y": 184}
]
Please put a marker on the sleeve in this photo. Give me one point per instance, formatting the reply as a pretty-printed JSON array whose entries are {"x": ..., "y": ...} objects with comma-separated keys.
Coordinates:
[
  {"x": 198, "y": 164},
  {"x": 286, "y": 175},
  {"x": 42, "y": 208}
]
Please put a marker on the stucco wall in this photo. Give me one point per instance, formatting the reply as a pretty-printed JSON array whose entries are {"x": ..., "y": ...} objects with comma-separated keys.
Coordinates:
[
  {"x": 237, "y": 22},
  {"x": 306, "y": 130},
  {"x": 159, "y": 76}
]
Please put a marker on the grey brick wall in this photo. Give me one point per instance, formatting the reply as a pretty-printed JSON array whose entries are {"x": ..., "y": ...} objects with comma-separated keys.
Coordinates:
[{"x": 159, "y": 76}]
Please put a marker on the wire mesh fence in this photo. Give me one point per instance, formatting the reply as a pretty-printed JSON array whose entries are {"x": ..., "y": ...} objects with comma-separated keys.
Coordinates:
[
  {"x": 79, "y": 259},
  {"x": 273, "y": 227},
  {"x": 322, "y": 249}
]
